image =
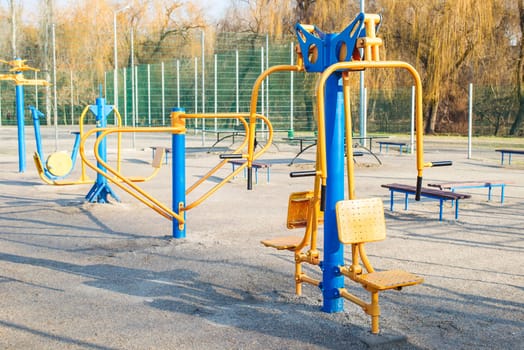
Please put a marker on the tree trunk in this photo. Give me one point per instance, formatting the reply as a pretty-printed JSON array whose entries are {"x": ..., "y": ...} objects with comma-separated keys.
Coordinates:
[
  {"x": 520, "y": 71},
  {"x": 432, "y": 116}
]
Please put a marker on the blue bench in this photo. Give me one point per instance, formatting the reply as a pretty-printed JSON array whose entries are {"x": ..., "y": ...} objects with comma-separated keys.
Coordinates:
[
  {"x": 167, "y": 150},
  {"x": 400, "y": 145},
  {"x": 509, "y": 152},
  {"x": 452, "y": 186},
  {"x": 439, "y": 195},
  {"x": 255, "y": 165}
]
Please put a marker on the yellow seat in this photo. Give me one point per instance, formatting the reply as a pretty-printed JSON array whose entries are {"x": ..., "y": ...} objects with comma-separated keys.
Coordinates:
[
  {"x": 360, "y": 221},
  {"x": 300, "y": 214},
  {"x": 281, "y": 243},
  {"x": 298, "y": 211}
]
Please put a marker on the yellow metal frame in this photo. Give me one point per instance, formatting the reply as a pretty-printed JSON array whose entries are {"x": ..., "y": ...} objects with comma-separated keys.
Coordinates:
[
  {"x": 254, "y": 100},
  {"x": 17, "y": 75},
  {"x": 314, "y": 215},
  {"x": 122, "y": 181},
  {"x": 367, "y": 214},
  {"x": 357, "y": 66},
  {"x": 84, "y": 179},
  {"x": 238, "y": 150}
]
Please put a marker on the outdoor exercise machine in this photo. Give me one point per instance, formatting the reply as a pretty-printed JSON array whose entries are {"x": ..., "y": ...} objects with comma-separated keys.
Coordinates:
[
  {"x": 245, "y": 151},
  {"x": 58, "y": 166},
  {"x": 346, "y": 221},
  {"x": 177, "y": 212},
  {"x": 334, "y": 56},
  {"x": 16, "y": 75}
]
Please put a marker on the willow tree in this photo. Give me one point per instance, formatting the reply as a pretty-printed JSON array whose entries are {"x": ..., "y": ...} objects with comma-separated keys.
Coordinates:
[
  {"x": 328, "y": 15},
  {"x": 444, "y": 37}
]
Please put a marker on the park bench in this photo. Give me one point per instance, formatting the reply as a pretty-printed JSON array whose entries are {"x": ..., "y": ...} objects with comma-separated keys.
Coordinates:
[
  {"x": 452, "y": 186},
  {"x": 312, "y": 141},
  {"x": 439, "y": 195},
  {"x": 166, "y": 150},
  {"x": 255, "y": 165},
  {"x": 400, "y": 145},
  {"x": 509, "y": 152}
]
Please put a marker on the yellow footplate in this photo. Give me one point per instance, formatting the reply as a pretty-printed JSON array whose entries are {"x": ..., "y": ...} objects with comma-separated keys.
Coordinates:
[
  {"x": 281, "y": 243},
  {"x": 389, "y": 279}
]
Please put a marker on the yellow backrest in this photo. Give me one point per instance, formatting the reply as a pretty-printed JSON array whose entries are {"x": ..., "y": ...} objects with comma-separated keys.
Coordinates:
[
  {"x": 298, "y": 209},
  {"x": 159, "y": 156},
  {"x": 360, "y": 220}
]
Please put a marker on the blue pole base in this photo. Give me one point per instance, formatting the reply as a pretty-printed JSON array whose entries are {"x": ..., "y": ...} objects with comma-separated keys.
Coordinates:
[{"x": 99, "y": 192}]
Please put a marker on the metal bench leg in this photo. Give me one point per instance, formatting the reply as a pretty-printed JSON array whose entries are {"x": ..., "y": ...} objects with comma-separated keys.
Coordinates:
[
  {"x": 509, "y": 158},
  {"x": 267, "y": 174},
  {"x": 406, "y": 202},
  {"x": 489, "y": 193},
  {"x": 456, "y": 209},
  {"x": 440, "y": 210},
  {"x": 391, "y": 200},
  {"x": 502, "y": 193}
]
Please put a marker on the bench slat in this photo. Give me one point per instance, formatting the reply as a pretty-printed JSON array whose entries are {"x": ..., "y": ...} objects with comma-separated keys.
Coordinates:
[
  {"x": 489, "y": 184},
  {"x": 426, "y": 192},
  {"x": 509, "y": 152}
]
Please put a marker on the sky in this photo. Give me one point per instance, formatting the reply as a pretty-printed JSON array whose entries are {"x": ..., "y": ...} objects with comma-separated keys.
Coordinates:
[{"x": 213, "y": 8}]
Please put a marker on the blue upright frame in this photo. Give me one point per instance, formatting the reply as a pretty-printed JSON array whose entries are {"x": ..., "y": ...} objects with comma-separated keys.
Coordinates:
[
  {"x": 101, "y": 188},
  {"x": 319, "y": 51}
]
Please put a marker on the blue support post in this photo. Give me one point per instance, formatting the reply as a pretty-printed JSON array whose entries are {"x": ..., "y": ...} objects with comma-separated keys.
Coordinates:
[
  {"x": 19, "y": 89},
  {"x": 36, "y": 114},
  {"x": 101, "y": 188},
  {"x": 178, "y": 146},
  {"x": 328, "y": 49},
  {"x": 333, "y": 249}
]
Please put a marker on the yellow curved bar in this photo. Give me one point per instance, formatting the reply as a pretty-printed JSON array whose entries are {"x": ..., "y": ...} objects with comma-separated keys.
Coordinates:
[
  {"x": 254, "y": 101},
  {"x": 160, "y": 208},
  {"x": 349, "y": 136},
  {"x": 237, "y": 170},
  {"x": 223, "y": 162},
  {"x": 81, "y": 126},
  {"x": 360, "y": 65},
  {"x": 119, "y": 142},
  {"x": 153, "y": 203},
  {"x": 215, "y": 188}
]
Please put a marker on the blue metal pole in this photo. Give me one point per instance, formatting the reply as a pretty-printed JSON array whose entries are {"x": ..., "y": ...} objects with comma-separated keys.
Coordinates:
[
  {"x": 101, "y": 188},
  {"x": 21, "y": 124},
  {"x": 333, "y": 250},
  {"x": 36, "y": 114},
  {"x": 101, "y": 122},
  {"x": 178, "y": 146}
]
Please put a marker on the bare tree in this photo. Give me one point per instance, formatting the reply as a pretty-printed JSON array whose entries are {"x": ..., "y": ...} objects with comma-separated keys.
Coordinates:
[
  {"x": 519, "y": 72},
  {"x": 45, "y": 39},
  {"x": 13, "y": 12}
]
